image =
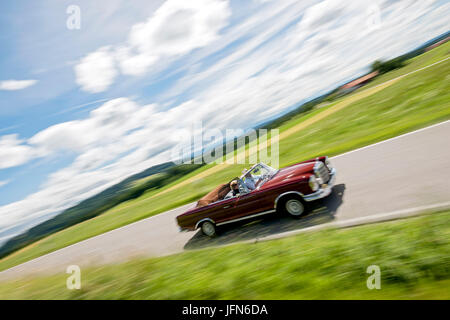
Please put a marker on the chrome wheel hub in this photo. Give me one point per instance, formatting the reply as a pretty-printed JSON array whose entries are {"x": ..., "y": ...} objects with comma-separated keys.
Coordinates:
[
  {"x": 294, "y": 207},
  {"x": 208, "y": 228}
]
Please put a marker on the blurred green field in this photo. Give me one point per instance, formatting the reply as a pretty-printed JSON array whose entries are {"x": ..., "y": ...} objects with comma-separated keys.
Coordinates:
[
  {"x": 413, "y": 256},
  {"x": 415, "y": 101}
]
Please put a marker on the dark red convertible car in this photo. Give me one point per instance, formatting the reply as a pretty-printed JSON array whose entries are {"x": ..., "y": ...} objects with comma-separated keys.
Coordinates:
[{"x": 259, "y": 191}]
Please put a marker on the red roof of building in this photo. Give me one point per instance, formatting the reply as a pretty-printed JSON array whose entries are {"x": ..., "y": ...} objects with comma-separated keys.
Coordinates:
[{"x": 358, "y": 81}]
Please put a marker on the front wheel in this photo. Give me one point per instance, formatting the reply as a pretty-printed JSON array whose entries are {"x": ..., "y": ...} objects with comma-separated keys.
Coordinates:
[
  {"x": 294, "y": 207},
  {"x": 208, "y": 229}
]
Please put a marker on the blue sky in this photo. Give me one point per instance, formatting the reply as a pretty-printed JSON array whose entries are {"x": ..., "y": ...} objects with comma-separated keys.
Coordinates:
[{"x": 82, "y": 109}]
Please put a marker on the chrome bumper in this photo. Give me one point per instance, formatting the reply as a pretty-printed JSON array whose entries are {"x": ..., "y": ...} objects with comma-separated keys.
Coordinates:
[{"x": 325, "y": 189}]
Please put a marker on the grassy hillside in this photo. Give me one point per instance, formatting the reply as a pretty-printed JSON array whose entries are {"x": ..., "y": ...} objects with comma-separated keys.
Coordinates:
[
  {"x": 413, "y": 256},
  {"x": 365, "y": 117}
]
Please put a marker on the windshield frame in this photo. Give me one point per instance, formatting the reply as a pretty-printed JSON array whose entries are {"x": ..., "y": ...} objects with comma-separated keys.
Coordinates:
[{"x": 272, "y": 171}]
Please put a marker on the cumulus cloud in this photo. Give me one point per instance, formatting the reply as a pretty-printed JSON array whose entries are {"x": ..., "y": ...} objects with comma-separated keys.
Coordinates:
[
  {"x": 97, "y": 71},
  {"x": 11, "y": 85},
  {"x": 117, "y": 126},
  {"x": 176, "y": 28},
  {"x": 134, "y": 64},
  {"x": 323, "y": 14},
  {"x": 13, "y": 152}
]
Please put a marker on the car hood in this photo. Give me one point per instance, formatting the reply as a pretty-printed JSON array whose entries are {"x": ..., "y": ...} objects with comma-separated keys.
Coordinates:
[{"x": 290, "y": 174}]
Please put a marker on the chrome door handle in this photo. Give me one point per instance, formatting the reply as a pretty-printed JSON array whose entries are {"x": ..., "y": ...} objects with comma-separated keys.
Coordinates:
[{"x": 226, "y": 207}]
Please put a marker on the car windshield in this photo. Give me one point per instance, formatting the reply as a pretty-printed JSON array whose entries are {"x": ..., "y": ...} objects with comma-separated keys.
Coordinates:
[{"x": 258, "y": 175}]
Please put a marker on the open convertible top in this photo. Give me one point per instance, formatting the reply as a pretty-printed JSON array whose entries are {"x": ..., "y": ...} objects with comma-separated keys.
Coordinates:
[{"x": 217, "y": 194}]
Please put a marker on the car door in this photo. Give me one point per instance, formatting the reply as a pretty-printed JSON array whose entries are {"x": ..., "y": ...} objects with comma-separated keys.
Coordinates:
[
  {"x": 251, "y": 203},
  {"x": 223, "y": 210}
]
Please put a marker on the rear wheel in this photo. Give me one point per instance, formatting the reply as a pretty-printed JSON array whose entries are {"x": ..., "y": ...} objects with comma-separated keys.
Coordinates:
[
  {"x": 208, "y": 229},
  {"x": 293, "y": 206}
]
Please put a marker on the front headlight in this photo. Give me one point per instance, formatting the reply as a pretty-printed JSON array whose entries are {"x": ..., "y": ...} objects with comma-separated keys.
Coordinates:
[
  {"x": 313, "y": 184},
  {"x": 328, "y": 164},
  {"x": 316, "y": 172}
]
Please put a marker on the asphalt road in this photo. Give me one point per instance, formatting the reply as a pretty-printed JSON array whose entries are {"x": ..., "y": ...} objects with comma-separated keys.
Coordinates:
[{"x": 401, "y": 176}]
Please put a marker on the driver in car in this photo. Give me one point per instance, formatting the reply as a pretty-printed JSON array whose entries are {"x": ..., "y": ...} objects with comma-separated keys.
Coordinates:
[{"x": 234, "y": 190}]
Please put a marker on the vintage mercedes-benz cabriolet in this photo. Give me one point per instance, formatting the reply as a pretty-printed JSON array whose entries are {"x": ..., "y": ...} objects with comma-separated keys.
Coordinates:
[{"x": 259, "y": 191}]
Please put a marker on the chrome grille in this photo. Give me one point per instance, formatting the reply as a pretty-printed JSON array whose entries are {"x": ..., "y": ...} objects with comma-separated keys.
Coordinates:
[{"x": 322, "y": 172}]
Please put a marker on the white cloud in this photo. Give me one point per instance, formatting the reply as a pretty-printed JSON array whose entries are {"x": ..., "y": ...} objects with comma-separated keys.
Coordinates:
[
  {"x": 11, "y": 85},
  {"x": 135, "y": 65},
  {"x": 174, "y": 29},
  {"x": 323, "y": 14},
  {"x": 97, "y": 71},
  {"x": 13, "y": 152},
  {"x": 4, "y": 182},
  {"x": 178, "y": 27}
]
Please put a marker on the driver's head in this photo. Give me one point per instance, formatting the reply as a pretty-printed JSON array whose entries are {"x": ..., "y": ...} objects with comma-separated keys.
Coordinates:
[{"x": 234, "y": 185}]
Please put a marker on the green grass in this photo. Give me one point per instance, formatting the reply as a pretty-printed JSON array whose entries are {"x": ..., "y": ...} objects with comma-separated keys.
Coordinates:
[
  {"x": 415, "y": 101},
  {"x": 413, "y": 256}
]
